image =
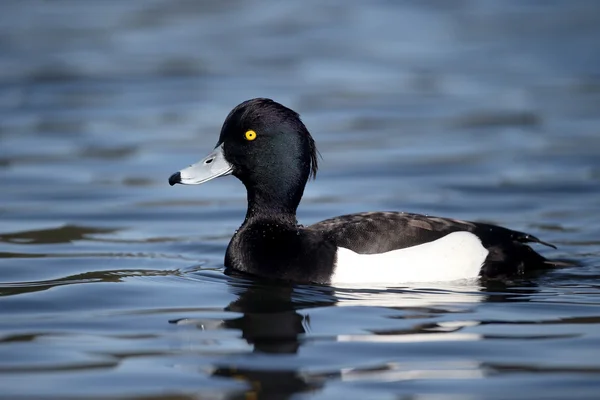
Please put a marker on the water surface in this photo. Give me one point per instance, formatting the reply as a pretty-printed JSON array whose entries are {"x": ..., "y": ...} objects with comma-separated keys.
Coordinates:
[{"x": 111, "y": 281}]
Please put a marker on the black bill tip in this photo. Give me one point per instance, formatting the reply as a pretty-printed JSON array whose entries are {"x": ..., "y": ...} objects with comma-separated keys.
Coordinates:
[{"x": 175, "y": 178}]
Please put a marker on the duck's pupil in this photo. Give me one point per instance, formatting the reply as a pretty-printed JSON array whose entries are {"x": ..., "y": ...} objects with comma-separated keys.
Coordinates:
[{"x": 209, "y": 161}]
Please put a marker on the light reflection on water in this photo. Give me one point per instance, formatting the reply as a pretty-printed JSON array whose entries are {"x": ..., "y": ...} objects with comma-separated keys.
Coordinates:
[{"x": 112, "y": 283}]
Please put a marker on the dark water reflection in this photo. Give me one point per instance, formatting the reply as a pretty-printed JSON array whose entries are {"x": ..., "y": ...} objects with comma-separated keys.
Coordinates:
[{"x": 111, "y": 282}]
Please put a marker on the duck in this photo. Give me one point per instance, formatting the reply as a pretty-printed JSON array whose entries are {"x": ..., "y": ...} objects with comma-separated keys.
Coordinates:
[{"x": 269, "y": 149}]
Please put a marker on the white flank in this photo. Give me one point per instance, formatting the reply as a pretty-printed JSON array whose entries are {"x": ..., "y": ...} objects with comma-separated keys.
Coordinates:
[{"x": 456, "y": 256}]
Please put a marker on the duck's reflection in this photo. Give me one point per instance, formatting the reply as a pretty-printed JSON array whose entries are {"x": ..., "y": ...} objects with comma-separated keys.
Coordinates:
[
  {"x": 271, "y": 323},
  {"x": 275, "y": 318},
  {"x": 269, "y": 384}
]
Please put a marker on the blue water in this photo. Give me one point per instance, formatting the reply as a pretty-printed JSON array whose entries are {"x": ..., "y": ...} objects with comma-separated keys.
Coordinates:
[{"x": 111, "y": 281}]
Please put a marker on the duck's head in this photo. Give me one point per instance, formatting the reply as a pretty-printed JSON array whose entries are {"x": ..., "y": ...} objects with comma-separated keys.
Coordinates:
[{"x": 267, "y": 147}]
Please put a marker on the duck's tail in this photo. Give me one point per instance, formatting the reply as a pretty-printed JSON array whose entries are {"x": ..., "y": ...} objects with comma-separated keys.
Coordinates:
[{"x": 518, "y": 258}]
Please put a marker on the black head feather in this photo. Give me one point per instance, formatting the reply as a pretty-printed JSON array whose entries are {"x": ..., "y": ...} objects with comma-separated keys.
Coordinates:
[
  {"x": 266, "y": 116},
  {"x": 314, "y": 155},
  {"x": 278, "y": 162}
]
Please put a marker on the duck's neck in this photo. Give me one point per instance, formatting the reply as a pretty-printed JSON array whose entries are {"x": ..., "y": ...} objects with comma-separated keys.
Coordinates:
[{"x": 273, "y": 203}]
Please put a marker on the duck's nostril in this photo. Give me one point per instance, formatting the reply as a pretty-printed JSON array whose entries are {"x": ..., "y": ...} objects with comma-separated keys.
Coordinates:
[{"x": 209, "y": 161}]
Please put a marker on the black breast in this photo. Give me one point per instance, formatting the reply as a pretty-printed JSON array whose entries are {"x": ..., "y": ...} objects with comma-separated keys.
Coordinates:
[{"x": 280, "y": 251}]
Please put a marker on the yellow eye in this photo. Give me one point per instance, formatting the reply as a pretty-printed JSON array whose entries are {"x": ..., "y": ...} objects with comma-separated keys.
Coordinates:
[{"x": 250, "y": 135}]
